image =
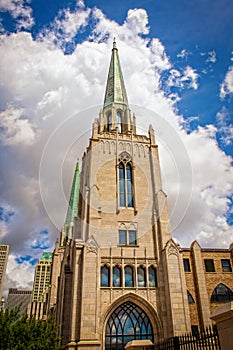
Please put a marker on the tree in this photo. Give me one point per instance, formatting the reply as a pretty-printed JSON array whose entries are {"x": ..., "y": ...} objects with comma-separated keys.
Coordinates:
[{"x": 19, "y": 332}]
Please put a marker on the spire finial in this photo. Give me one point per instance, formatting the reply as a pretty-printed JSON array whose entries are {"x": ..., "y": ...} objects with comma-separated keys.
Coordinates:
[
  {"x": 114, "y": 43},
  {"x": 115, "y": 89}
]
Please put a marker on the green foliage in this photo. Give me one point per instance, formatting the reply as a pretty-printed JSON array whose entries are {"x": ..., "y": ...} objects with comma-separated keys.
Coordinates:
[{"x": 18, "y": 332}]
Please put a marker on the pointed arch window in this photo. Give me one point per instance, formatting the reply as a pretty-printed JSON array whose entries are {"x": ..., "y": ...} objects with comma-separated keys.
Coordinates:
[
  {"x": 109, "y": 120},
  {"x": 116, "y": 278},
  {"x": 127, "y": 322},
  {"x": 129, "y": 276},
  {"x": 105, "y": 276},
  {"x": 125, "y": 184},
  {"x": 141, "y": 275},
  {"x": 152, "y": 277},
  {"x": 119, "y": 122},
  {"x": 222, "y": 294}
]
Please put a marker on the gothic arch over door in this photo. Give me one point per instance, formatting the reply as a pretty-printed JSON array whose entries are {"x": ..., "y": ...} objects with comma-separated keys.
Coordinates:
[{"x": 127, "y": 322}]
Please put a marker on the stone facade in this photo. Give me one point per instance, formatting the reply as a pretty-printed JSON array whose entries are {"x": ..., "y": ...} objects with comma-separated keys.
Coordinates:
[
  {"x": 201, "y": 284},
  {"x": 118, "y": 260}
]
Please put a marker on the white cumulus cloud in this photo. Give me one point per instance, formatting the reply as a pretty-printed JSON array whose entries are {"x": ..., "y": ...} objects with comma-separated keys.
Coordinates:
[
  {"x": 183, "y": 54},
  {"x": 137, "y": 21},
  {"x": 159, "y": 57},
  {"x": 188, "y": 78},
  {"x": 226, "y": 87},
  {"x": 15, "y": 129},
  {"x": 65, "y": 27},
  {"x": 20, "y": 11},
  {"x": 209, "y": 199},
  {"x": 18, "y": 275},
  {"x": 225, "y": 128},
  {"x": 212, "y": 57}
]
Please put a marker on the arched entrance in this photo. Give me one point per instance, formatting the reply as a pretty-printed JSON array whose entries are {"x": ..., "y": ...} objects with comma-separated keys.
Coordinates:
[{"x": 127, "y": 322}]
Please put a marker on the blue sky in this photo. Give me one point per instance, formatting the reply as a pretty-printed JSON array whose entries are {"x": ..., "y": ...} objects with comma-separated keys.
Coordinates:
[{"x": 177, "y": 61}]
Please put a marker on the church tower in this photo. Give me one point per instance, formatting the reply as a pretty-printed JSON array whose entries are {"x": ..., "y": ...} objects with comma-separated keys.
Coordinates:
[{"x": 117, "y": 274}]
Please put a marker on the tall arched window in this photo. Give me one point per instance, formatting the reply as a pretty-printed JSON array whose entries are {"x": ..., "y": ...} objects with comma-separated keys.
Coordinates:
[
  {"x": 116, "y": 279},
  {"x": 129, "y": 276},
  {"x": 119, "y": 122},
  {"x": 125, "y": 185},
  {"x": 109, "y": 120},
  {"x": 152, "y": 277},
  {"x": 141, "y": 274},
  {"x": 126, "y": 323},
  {"x": 222, "y": 294},
  {"x": 105, "y": 276},
  {"x": 122, "y": 185}
]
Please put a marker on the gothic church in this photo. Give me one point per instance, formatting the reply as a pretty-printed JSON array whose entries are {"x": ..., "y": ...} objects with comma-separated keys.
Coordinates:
[{"x": 117, "y": 274}]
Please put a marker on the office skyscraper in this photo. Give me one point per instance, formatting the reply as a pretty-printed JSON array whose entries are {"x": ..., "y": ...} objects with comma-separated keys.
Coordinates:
[
  {"x": 19, "y": 297},
  {"x": 42, "y": 276},
  {"x": 4, "y": 252}
]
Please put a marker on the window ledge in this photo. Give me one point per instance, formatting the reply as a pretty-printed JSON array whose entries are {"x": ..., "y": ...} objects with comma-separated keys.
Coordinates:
[
  {"x": 226, "y": 271},
  {"x": 138, "y": 288},
  {"x": 210, "y": 271},
  {"x": 130, "y": 208}
]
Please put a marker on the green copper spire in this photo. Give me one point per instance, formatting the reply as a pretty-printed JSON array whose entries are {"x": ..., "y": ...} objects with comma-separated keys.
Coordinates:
[
  {"x": 115, "y": 88},
  {"x": 72, "y": 211}
]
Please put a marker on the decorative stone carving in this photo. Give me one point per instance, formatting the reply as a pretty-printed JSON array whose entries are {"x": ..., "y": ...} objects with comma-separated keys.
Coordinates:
[
  {"x": 172, "y": 248},
  {"x": 91, "y": 246},
  {"x": 124, "y": 157}
]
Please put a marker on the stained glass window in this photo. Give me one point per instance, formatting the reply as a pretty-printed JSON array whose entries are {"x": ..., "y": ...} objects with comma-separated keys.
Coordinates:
[
  {"x": 141, "y": 273},
  {"x": 116, "y": 281},
  {"x": 126, "y": 323},
  {"x": 129, "y": 276},
  {"x": 122, "y": 185},
  {"x": 125, "y": 185},
  {"x": 222, "y": 294},
  {"x": 152, "y": 277},
  {"x": 129, "y": 186},
  {"x": 105, "y": 276}
]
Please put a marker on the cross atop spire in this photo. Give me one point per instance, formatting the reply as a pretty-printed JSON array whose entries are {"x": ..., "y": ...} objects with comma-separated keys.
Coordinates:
[{"x": 115, "y": 88}]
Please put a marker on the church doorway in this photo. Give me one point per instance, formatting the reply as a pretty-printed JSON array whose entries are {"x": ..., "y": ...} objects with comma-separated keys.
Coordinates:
[{"x": 127, "y": 322}]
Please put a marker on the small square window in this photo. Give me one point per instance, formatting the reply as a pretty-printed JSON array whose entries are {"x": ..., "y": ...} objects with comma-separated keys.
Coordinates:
[
  {"x": 209, "y": 265},
  {"x": 127, "y": 237},
  {"x": 226, "y": 265},
  {"x": 186, "y": 265}
]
